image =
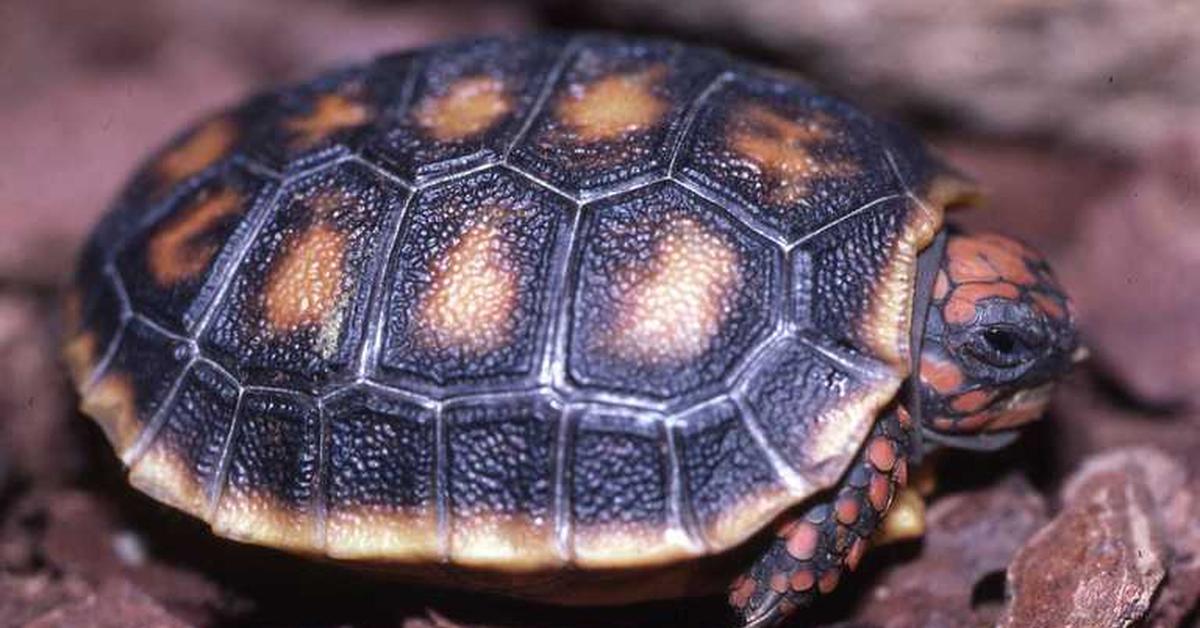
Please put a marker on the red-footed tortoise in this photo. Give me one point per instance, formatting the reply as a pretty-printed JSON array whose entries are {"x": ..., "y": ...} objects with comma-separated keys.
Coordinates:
[{"x": 568, "y": 318}]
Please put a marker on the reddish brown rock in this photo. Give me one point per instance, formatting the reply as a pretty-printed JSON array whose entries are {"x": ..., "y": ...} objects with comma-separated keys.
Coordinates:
[
  {"x": 116, "y": 604},
  {"x": 25, "y": 598},
  {"x": 970, "y": 536},
  {"x": 1133, "y": 274},
  {"x": 32, "y": 400},
  {"x": 100, "y": 85},
  {"x": 1109, "y": 73},
  {"x": 1101, "y": 560}
]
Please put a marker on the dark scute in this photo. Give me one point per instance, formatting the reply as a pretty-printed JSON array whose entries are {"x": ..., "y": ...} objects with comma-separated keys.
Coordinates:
[
  {"x": 400, "y": 144},
  {"x": 153, "y": 364},
  {"x": 553, "y": 151},
  {"x": 790, "y": 393},
  {"x": 240, "y": 337},
  {"x": 623, "y": 231},
  {"x": 721, "y": 463},
  {"x": 270, "y": 141},
  {"x": 275, "y": 449},
  {"x": 619, "y": 471},
  {"x": 99, "y": 313},
  {"x": 839, "y": 271},
  {"x": 529, "y": 220},
  {"x": 198, "y": 420},
  {"x": 381, "y": 452},
  {"x": 707, "y": 159},
  {"x": 177, "y": 307},
  {"x": 500, "y": 457}
]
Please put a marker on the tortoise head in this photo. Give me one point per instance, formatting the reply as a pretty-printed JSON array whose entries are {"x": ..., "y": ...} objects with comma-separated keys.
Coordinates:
[{"x": 998, "y": 333}]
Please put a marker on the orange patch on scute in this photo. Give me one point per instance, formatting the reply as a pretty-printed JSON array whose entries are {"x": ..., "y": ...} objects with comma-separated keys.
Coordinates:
[
  {"x": 470, "y": 304},
  {"x": 471, "y": 105},
  {"x": 675, "y": 305},
  {"x": 331, "y": 113},
  {"x": 782, "y": 147},
  {"x": 304, "y": 288},
  {"x": 204, "y": 147},
  {"x": 175, "y": 252},
  {"x": 960, "y": 307},
  {"x": 614, "y": 106}
]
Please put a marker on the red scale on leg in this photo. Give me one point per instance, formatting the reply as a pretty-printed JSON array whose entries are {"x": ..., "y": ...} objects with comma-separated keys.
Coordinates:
[
  {"x": 803, "y": 580},
  {"x": 856, "y": 553},
  {"x": 879, "y": 492},
  {"x": 847, "y": 509},
  {"x": 802, "y": 544},
  {"x": 882, "y": 454},
  {"x": 812, "y": 547},
  {"x": 829, "y": 580}
]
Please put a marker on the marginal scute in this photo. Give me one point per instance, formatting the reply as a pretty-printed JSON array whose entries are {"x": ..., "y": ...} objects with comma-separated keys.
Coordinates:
[
  {"x": 177, "y": 250},
  {"x": 745, "y": 516},
  {"x": 630, "y": 545},
  {"x": 887, "y": 323},
  {"x": 112, "y": 403},
  {"x": 470, "y": 106},
  {"x": 815, "y": 411},
  {"x": 372, "y": 534},
  {"x": 80, "y": 354},
  {"x": 269, "y": 492},
  {"x": 732, "y": 489},
  {"x": 512, "y": 541},
  {"x": 620, "y": 496},
  {"x": 257, "y": 517},
  {"x": 161, "y": 474},
  {"x": 380, "y": 473},
  {"x": 179, "y": 464}
]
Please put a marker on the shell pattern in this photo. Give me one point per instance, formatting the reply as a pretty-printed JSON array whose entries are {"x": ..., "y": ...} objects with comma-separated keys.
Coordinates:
[{"x": 518, "y": 304}]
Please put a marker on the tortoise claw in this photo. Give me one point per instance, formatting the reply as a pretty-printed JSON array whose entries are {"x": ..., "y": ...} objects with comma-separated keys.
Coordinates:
[{"x": 773, "y": 610}]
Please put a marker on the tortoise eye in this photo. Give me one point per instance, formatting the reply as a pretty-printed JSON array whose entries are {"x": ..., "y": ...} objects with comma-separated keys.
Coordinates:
[
  {"x": 1001, "y": 340},
  {"x": 1002, "y": 346}
]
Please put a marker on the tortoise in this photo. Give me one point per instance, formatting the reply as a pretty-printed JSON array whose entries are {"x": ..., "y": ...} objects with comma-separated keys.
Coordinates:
[{"x": 582, "y": 318}]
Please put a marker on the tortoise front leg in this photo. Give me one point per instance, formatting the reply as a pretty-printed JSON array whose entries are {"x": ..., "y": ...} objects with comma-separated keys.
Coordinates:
[{"x": 813, "y": 548}]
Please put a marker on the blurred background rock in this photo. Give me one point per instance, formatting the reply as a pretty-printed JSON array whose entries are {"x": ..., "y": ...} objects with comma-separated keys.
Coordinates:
[{"x": 1081, "y": 117}]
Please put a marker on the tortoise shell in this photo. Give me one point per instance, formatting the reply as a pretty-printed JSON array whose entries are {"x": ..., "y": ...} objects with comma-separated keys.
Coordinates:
[{"x": 516, "y": 304}]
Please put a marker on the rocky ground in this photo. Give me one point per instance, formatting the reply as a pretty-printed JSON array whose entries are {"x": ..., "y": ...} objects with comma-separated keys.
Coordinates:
[{"x": 1092, "y": 519}]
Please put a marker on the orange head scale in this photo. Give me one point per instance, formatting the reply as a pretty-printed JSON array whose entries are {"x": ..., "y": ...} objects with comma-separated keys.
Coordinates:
[{"x": 998, "y": 332}]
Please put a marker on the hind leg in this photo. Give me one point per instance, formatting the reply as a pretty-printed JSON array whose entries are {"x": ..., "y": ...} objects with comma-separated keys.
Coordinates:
[{"x": 814, "y": 548}]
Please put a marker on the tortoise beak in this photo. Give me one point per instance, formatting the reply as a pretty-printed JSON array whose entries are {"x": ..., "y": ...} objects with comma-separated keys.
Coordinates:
[{"x": 1023, "y": 406}]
